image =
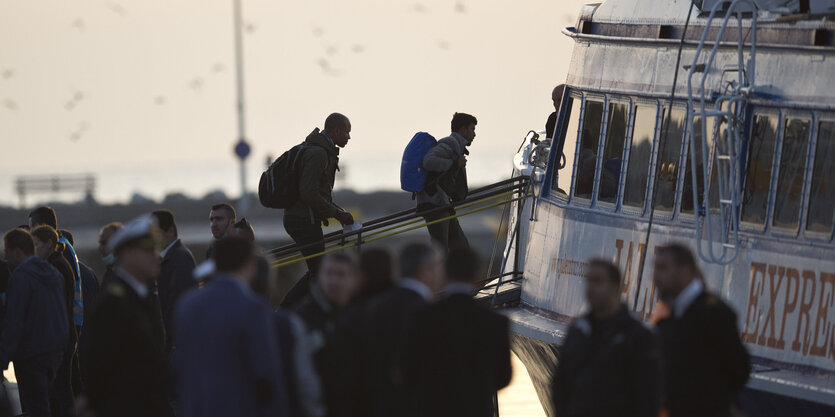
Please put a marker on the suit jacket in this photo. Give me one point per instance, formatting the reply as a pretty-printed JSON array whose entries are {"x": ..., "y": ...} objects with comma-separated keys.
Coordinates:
[
  {"x": 227, "y": 358},
  {"x": 127, "y": 368},
  {"x": 175, "y": 278},
  {"x": 387, "y": 320},
  {"x": 704, "y": 363},
  {"x": 615, "y": 359},
  {"x": 90, "y": 288},
  {"x": 457, "y": 357}
]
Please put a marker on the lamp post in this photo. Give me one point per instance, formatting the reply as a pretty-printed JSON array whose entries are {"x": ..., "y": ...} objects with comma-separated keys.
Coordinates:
[{"x": 242, "y": 148}]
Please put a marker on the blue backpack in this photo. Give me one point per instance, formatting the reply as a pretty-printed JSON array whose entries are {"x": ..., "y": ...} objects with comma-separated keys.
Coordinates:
[{"x": 412, "y": 174}]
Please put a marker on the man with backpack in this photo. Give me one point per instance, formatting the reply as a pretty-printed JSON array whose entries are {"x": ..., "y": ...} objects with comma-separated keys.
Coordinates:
[
  {"x": 446, "y": 182},
  {"x": 314, "y": 167}
]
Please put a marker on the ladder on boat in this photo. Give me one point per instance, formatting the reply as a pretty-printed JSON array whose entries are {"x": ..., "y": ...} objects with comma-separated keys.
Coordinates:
[{"x": 717, "y": 233}]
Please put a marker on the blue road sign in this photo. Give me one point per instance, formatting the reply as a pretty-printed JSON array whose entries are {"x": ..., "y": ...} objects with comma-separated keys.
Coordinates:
[{"x": 242, "y": 149}]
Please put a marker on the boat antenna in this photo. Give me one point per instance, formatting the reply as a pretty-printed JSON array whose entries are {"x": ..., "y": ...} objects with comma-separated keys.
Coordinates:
[{"x": 662, "y": 145}]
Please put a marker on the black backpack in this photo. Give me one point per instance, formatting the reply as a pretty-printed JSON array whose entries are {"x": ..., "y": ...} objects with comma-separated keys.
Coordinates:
[{"x": 279, "y": 185}]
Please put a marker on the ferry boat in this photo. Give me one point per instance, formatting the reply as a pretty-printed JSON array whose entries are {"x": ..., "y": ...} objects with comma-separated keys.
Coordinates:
[{"x": 709, "y": 123}]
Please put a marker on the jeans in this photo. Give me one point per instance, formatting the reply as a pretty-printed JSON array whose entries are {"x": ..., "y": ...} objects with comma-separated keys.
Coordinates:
[
  {"x": 36, "y": 380},
  {"x": 447, "y": 234},
  {"x": 304, "y": 232}
]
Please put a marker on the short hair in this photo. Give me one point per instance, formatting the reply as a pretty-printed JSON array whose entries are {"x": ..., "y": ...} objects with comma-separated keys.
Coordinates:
[
  {"x": 113, "y": 226},
  {"x": 165, "y": 220},
  {"x": 45, "y": 233},
  {"x": 682, "y": 255},
  {"x": 44, "y": 215},
  {"x": 414, "y": 256},
  {"x": 335, "y": 121},
  {"x": 66, "y": 234},
  {"x": 462, "y": 265},
  {"x": 611, "y": 270},
  {"x": 228, "y": 207},
  {"x": 340, "y": 258},
  {"x": 461, "y": 120},
  {"x": 244, "y": 228},
  {"x": 377, "y": 265},
  {"x": 231, "y": 253},
  {"x": 19, "y": 239}
]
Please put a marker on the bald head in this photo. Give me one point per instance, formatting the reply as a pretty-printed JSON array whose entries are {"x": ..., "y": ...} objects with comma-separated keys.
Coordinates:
[{"x": 338, "y": 128}]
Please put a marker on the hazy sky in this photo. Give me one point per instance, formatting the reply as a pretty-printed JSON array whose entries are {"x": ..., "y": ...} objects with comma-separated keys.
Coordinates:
[{"x": 142, "y": 93}]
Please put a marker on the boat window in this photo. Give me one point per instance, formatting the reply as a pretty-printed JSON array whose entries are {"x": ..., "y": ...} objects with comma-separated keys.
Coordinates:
[
  {"x": 698, "y": 137},
  {"x": 791, "y": 172},
  {"x": 822, "y": 193},
  {"x": 609, "y": 176},
  {"x": 589, "y": 139},
  {"x": 640, "y": 152},
  {"x": 561, "y": 182},
  {"x": 758, "y": 170},
  {"x": 672, "y": 134}
]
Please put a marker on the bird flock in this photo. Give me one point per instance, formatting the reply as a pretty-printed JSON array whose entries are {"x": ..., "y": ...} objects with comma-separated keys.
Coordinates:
[{"x": 326, "y": 63}]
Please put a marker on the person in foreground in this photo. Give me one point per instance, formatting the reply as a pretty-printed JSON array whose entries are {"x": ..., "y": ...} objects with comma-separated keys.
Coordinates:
[
  {"x": 227, "y": 359},
  {"x": 36, "y": 327},
  {"x": 458, "y": 354},
  {"x": 704, "y": 363},
  {"x": 608, "y": 354},
  {"x": 127, "y": 369}
]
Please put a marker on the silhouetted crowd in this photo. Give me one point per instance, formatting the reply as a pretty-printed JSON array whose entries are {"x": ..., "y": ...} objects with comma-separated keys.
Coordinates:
[{"x": 376, "y": 335}]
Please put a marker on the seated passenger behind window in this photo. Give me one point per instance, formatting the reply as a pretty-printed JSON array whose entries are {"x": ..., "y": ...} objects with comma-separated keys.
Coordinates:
[
  {"x": 551, "y": 123},
  {"x": 610, "y": 176}
]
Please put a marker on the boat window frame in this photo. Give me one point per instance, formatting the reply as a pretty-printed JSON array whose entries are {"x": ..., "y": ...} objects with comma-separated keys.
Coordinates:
[
  {"x": 643, "y": 102},
  {"x": 772, "y": 185},
  {"x": 785, "y": 115},
  {"x": 629, "y": 103},
  {"x": 818, "y": 119},
  {"x": 574, "y": 199},
  {"x": 673, "y": 213},
  {"x": 577, "y": 98}
]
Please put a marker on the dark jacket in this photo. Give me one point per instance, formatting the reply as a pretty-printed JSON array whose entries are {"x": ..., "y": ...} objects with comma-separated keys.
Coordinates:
[
  {"x": 319, "y": 163},
  {"x": 60, "y": 263},
  {"x": 446, "y": 181},
  {"x": 5, "y": 274},
  {"x": 457, "y": 358},
  {"x": 704, "y": 362},
  {"x": 226, "y": 359},
  {"x": 90, "y": 288},
  {"x": 108, "y": 276},
  {"x": 36, "y": 312},
  {"x": 126, "y": 368},
  {"x": 388, "y": 319},
  {"x": 607, "y": 368},
  {"x": 175, "y": 278}
]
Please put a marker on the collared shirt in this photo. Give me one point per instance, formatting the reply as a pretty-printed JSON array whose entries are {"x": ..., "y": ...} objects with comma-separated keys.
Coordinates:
[
  {"x": 457, "y": 288},
  {"x": 168, "y": 248},
  {"x": 140, "y": 288},
  {"x": 325, "y": 134},
  {"x": 686, "y": 297},
  {"x": 418, "y": 287}
]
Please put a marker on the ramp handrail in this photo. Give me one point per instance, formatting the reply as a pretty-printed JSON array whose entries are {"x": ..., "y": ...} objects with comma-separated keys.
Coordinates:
[
  {"x": 487, "y": 197},
  {"x": 727, "y": 141}
]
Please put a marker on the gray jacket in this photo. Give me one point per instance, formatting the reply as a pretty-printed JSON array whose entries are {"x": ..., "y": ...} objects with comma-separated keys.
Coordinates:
[{"x": 441, "y": 159}]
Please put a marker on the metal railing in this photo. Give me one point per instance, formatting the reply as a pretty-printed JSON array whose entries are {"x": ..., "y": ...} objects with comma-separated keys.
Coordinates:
[{"x": 480, "y": 199}]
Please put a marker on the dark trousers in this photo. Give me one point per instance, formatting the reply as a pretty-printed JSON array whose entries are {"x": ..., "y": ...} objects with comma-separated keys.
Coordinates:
[
  {"x": 35, "y": 382},
  {"x": 447, "y": 234},
  {"x": 304, "y": 232},
  {"x": 62, "y": 403}
]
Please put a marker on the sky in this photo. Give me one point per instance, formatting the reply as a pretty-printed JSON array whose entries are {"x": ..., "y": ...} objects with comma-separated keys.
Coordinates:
[{"x": 142, "y": 93}]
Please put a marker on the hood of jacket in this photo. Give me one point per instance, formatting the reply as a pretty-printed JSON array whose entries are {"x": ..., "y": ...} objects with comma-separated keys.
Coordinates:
[
  {"x": 42, "y": 271},
  {"x": 317, "y": 138}
]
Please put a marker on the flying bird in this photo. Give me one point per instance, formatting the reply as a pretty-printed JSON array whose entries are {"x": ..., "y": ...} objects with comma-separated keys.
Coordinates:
[
  {"x": 460, "y": 7},
  {"x": 78, "y": 24},
  {"x": 117, "y": 8},
  {"x": 443, "y": 44},
  {"x": 318, "y": 32},
  {"x": 357, "y": 49},
  {"x": 331, "y": 50},
  {"x": 420, "y": 8},
  {"x": 159, "y": 100},
  {"x": 7, "y": 73},
  {"x": 249, "y": 27},
  {"x": 218, "y": 67},
  {"x": 327, "y": 68},
  {"x": 10, "y": 104},
  {"x": 196, "y": 84}
]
